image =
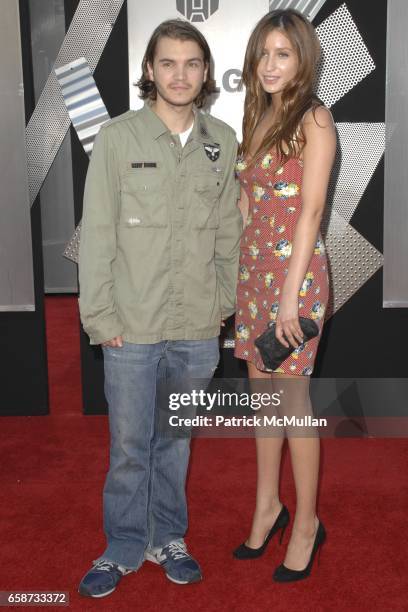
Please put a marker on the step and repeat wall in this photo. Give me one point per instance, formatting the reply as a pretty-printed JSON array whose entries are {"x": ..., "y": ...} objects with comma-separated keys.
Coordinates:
[
  {"x": 102, "y": 52},
  {"x": 352, "y": 84}
]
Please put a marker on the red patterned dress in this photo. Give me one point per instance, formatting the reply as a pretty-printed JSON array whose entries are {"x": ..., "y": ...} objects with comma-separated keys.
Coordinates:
[{"x": 274, "y": 207}]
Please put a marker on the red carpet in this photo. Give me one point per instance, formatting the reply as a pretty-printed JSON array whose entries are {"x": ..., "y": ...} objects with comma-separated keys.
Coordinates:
[{"x": 52, "y": 473}]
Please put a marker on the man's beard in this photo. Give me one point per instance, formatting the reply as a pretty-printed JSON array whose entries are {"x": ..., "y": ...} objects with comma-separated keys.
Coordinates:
[{"x": 166, "y": 96}]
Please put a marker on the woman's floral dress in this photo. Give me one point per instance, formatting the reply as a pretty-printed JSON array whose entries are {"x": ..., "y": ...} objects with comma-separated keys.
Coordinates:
[{"x": 275, "y": 202}]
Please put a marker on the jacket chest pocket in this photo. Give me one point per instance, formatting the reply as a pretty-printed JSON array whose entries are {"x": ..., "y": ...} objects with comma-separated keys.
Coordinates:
[
  {"x": 143, "y": 202},
  {"x": 207, "y": 191}
]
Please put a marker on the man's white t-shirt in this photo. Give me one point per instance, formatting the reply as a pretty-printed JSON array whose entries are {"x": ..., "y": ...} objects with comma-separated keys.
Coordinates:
[{"x": 184, "y": 135}]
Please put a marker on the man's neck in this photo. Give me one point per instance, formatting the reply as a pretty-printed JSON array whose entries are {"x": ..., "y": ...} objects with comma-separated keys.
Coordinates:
[{"x": 177, "y": 118}]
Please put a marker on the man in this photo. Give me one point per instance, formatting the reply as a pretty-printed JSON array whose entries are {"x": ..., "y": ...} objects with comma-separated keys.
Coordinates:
[{"x": 157, "y": 269}]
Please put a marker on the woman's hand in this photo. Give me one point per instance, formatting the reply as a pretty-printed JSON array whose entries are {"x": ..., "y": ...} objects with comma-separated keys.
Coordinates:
[{"x": 287, "y": 323}]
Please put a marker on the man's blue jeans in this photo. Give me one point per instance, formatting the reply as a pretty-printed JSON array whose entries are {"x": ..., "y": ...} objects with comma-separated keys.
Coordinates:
[{"x": 144, "y": 495}]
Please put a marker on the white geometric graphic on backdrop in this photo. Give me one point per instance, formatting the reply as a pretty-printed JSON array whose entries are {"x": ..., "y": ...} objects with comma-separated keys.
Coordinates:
[
  {"x": 352, "y": 260},
  {"x": 361, "y": 148},
  {"x": 309, "y": 8},
  {"x": 83, "y": 101},
  {"x": 87, "y": 36},
  {"x": 345, "y": 59}
]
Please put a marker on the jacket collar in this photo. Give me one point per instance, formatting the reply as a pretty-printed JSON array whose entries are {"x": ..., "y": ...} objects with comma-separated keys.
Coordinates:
[
  {"x": 154, "y": 124},
  {"x": 157, "y": 128},
  {"x": 200, "y": 131}
]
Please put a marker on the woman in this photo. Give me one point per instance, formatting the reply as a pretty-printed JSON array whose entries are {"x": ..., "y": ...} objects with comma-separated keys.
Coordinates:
[{"x": 284, "y": 167}]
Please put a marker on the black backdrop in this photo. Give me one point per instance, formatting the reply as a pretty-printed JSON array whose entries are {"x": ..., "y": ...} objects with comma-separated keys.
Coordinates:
[{"x": 377, "y": 335}]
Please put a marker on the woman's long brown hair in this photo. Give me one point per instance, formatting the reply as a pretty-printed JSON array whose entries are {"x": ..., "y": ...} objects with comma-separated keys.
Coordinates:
[{"x": 297, "y": 97}]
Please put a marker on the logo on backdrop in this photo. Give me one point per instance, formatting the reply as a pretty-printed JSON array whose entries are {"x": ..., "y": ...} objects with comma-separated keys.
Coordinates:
[
  {"x": 231, "y": 80},
  {"x": 197, "y": 10}
]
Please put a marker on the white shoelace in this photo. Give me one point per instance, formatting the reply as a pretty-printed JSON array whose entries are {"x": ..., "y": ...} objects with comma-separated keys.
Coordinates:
[
  {"x": 177, "y": 550},
  {"x": 106, "y": 566}
]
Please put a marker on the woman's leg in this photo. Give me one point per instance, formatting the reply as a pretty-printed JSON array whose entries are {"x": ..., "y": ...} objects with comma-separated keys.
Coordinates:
[
  {"x": 305, "y": 455},
  {"x": 268, "y": 452}
]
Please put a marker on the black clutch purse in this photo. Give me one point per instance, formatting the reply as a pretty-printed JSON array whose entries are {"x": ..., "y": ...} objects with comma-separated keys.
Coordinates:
[{"x": 273, "y": 352}]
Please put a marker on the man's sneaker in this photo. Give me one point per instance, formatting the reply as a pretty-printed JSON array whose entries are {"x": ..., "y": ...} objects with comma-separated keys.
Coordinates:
[
  {"x": 102, "y": 579},
  {"x": 179, "y": 566}
]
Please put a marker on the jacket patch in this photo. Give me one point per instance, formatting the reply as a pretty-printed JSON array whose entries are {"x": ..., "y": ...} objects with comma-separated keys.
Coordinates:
[
  {"x": 212, "y": 151},
  {"x": 144, "y": 164},
  {"x": 203, "y": 131}
]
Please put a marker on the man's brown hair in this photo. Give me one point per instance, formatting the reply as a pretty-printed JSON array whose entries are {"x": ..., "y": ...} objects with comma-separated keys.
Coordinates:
[{"x": 178, "y": 30}]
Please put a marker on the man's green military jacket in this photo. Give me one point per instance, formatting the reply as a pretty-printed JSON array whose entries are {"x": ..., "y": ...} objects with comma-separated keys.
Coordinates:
[{"x": 158, "y": 257}]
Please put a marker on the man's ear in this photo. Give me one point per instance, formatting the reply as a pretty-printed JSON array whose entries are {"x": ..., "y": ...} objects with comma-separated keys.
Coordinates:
[{"x": 150, "y": 71}]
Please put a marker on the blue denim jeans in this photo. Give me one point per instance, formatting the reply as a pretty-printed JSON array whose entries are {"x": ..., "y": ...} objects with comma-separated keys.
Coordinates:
[{"x": 144, "y": 501}]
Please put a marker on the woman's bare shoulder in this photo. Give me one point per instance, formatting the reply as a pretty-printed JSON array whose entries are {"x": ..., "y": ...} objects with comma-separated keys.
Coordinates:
[{"x": 318, "y": 116}]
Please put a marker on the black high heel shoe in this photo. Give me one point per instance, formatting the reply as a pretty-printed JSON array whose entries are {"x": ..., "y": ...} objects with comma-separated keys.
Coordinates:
[
  {"x": 284, "y": 574},
  {"x": 246, "y": 552}
]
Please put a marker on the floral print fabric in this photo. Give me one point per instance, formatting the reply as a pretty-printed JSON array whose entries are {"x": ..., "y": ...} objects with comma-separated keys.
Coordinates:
[{"x": 275, "y": 203}]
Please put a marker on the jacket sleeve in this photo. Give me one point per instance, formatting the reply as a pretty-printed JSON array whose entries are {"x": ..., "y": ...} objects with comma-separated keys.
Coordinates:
[
  {"x": 228, "y": 237},
  {"x": 97, "y": 249}
]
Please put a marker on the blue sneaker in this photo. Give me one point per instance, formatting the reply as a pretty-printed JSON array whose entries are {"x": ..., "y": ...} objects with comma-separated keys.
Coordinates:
[
  {"x": 180, "y": 567},
  {"x": 102, "y": 579}
]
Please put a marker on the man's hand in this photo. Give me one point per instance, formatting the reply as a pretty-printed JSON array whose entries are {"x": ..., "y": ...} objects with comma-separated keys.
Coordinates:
[{"x": 115, "y": 342}]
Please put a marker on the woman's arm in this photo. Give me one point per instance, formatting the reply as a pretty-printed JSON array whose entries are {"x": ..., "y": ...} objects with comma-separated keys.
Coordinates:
[
  {"x": 318, "y": 158},
  {"x": 243, "y": 205}
]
